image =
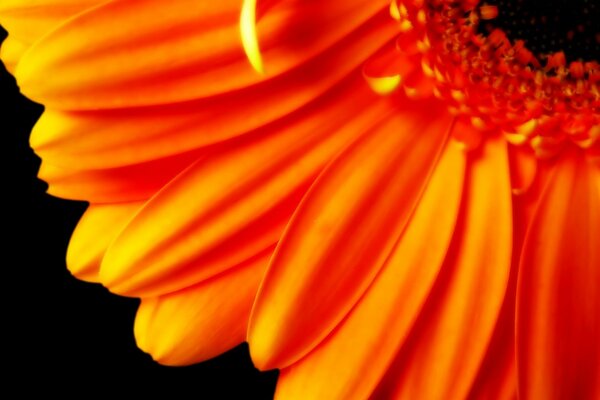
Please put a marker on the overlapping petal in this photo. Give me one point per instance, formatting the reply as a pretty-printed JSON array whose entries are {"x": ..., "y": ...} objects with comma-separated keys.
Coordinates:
[
  {"x": 202, "y": 321},
  {"x": 244, "y": 196},
  {"x": 402, "y": 262},
  {"x": 11, "y": 51},
  {"x": 85, "y": 70},
  {"x": 114, "y": 185},
  {"x": 29, "y": 20},
  {"x": 98, "y": 226},
  {"x": 451, "y": 337},
  {"x": 558, "y": 296},
  {"x": 342, "y": 233},
  {"x": 343, "y": 367},
  {"x": 105, "y": 139}
]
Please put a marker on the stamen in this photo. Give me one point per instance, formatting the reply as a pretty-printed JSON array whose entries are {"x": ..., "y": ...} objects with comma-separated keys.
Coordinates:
[
  {"x": 250, "y": 36},
  {"x": 495, "y": 80}
]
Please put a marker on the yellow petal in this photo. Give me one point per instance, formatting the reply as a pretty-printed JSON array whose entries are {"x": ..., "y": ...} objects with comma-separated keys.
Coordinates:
[
  {"x": 202, "y": 321},
  {"x": 11, "y": 52},
  {"x": 98, "y": 226}
]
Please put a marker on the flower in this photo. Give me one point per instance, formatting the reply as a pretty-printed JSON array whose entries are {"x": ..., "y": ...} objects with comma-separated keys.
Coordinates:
[{"x": 399, "y": 201}]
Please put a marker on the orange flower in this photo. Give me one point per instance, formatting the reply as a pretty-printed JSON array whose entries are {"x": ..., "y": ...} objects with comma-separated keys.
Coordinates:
[{"x": 398, "y": 200}]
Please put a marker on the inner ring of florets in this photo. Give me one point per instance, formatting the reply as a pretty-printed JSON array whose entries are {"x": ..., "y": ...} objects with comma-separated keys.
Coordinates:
[{"x": 541, "y": 98}]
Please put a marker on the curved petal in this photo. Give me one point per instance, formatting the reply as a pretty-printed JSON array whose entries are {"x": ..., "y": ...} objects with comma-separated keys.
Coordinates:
[
  {"x": 130, "y": 183},
  {"x": 342, "y": 367},
  {"x": 98, "y": 226},
  {"x": 342, "y": 233},
  {"x": 11, "y": 52},
  {"x": 104, "y": 139},
  {"x": 448, "y": 343},
  {"x": 202, "y": 321},
  {"x": 558, "y": 294},
  {"x": 30, "y": 20},
  {"x": 247, "y": 188},
  {"x": 497, "y": 376},
  {"x": 76, "y": 68}
]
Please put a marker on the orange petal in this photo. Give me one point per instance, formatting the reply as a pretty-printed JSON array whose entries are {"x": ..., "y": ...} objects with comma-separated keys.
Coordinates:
[
  {"x": 202, "y": 321},
  {"x": 193, "y": 50},
  {"x": 104, "y": 139},
  {"x": 442, "y": 356},
  {"x": 497, "y": 377},
  {"x": 124, "y": 184},
  {"x": 342, "y": 233},
  {"x": 30, "y": 20},
  {"x": 98, "y": 226},
  {"x": 558, "y": 294},
  {"x": 343, "y": 367},
  {"x": 241, "y": 195}
]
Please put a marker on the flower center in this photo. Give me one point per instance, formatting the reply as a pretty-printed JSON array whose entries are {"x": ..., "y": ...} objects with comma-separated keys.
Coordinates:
[
  {"x": 527, "y": 68},
  {"x": 550, "y": 26}
]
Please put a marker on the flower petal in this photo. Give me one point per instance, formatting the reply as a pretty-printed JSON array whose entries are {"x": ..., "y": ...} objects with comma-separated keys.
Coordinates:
[
  {"x": 98, "y": 226},
  {"x": 241, "y": 195},
  {"x": 30, "y": 20},
  {"x": 558, "y": 295},
  {"x": 202, "y": 321},
  {"x": 11, "y": 52},
  {"x": 497, "y": 377},
  {"x": 105, "y": 139},
  {"x": 442, "y": 356},
  {"x": 75, "y": 67},
  {"x": 124, "y": 184},
  {"x": 342, "y": 367},
  {"x": 342, "y": 233}
]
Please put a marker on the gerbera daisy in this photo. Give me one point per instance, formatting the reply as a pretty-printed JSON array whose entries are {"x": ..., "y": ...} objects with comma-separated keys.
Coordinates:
[{"x": 387, "y": 200}]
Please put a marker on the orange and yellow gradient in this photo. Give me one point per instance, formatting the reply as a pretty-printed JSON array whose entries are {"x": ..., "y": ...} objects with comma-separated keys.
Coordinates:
[{"x": 383, "y": 201}]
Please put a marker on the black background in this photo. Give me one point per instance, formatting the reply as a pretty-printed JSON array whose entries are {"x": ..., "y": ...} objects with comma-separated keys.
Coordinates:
[{"x": 65, "y": 335}]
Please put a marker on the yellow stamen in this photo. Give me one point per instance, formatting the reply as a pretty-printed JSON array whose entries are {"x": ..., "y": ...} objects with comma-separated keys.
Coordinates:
[
  {"x": 385, "y": 84},
  {"x": 249, "y": 35},
  {"x": 394, "y": 10}
]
